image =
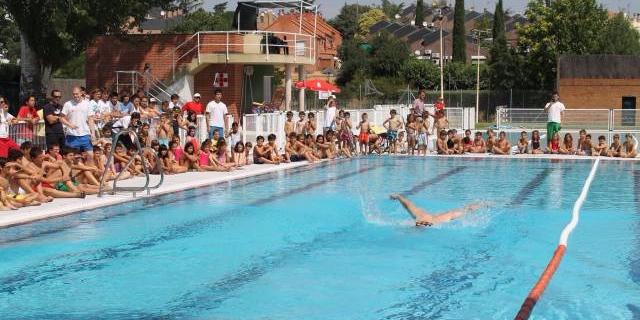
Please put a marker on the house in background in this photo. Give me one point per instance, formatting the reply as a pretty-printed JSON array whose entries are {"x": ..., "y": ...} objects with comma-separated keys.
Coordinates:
[
  {"x": 424, "y": 41},
  {"x": 240, "y": 62}
]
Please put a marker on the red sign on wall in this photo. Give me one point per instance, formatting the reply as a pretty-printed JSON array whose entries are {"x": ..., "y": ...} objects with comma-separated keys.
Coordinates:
[{"x": 221, "y": 80}]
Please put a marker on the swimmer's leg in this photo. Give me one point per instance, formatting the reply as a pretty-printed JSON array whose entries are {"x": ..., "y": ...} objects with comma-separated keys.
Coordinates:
[
  {"x": 416, "y": 213},
  {"x": 457, "y": 213}
]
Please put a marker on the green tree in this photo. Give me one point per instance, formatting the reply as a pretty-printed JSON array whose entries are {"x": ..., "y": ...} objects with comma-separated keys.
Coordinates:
[
  {"x": 52, "y": 32},
  {"x": 421, "y": 73},
  {"x": 557, "y": 27},
  {"x": 419, "y": 13},
  {"x": 501, "y": 62},
  {"x": 347, "y": 20},
  {"x": 9, "y": 38},
  {"x": 354, "y": 61},
  {"x": 201, "y": 20},
  {"x": 388, "y": 55},
  {"x": 459, "y": 34},
  {"x": 484, "y": 23},
  {"x": 368, "y": 19},
  {"x": 619, "y": 37},
  {"x": 390, "y": 9}
]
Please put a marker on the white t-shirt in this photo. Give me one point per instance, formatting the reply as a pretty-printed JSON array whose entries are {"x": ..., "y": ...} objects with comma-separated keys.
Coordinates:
[
  {"x": 216, "y": 111},
  {"x": 122, "y": 123},
  {"x": 5, "y": 117},
  {"x": 78, "y": 114},
  {"x": 235, "y": 138},
  {"x": 329, "y": 116},
  {"x": 99, "y": 107},
  {"x": 554, "y": 110}
]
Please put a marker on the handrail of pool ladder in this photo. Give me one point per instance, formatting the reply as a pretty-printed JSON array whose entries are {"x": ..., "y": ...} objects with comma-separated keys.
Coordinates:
[
  {"x": 134, "y": 190},
  {"x": 547, "y": 274}
]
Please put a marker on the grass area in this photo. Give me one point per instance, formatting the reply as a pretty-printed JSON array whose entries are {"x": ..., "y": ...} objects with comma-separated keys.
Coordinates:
[{"x": 484, "y": 125}]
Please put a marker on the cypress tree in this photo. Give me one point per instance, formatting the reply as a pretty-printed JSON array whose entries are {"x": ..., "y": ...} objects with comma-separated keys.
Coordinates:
[
  {"x": 459, "y": 37},
  {"x": 419, "y": 13},
  {"x": 500, "y": 63}
]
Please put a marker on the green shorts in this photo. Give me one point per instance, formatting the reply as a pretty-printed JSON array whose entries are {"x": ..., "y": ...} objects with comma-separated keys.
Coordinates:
[
  {"x": 61, "y": 186},
  {"x": 552, "y": 129}
]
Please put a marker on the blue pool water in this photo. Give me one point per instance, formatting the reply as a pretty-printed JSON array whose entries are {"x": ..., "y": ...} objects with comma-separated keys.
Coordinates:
[{"x": 327, "y": 243}]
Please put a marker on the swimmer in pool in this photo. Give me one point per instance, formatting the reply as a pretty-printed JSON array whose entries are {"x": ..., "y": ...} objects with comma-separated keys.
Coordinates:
[{"x": 423, "y": 218}]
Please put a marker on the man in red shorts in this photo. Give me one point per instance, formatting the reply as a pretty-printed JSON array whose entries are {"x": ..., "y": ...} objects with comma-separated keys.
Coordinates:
[{"x": 6, "y": 119}]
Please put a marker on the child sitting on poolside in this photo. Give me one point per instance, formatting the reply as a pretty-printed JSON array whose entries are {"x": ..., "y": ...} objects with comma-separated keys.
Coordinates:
[
  {"x": 479, "y": 145},
  {"x": 170, "y": 164},
  {"x": 453, "y": 142},
  {"x": 441, "y": 144},
  {"x": 262, "y": 152},
  {"x": 628, "y": 147},
  {"x": 239, "y": 156},
  {"x": 491, "y": 140},
  {"x": 401, "y": 144},
  {"x": 190, "y": 158},
  {"x": 535, "y": 143},
  {"x": 466, "y": 143},
  {"x": 207, "y": 160},
  {"x": 615, "y": 150},
  {"x": 584, "y": 144},
  {"x": 523, "y": 143},
  {"x": 502, "y": 146},
  {"x": 271, "y": 143},
  {"x": 553, "y": 146},
  {"x": 567, "y": 145},
  {"x": 248, "y": 146},
  {"x": 601, "y": 148},
  {"x": 324, "y": 149}
]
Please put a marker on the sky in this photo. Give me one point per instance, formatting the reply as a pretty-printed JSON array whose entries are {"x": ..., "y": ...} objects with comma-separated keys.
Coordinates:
[{"x": 330, "y": 8}]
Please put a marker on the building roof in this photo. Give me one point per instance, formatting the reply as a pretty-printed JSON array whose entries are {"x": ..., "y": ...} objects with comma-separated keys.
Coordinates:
[
  {"x": 323, "y": 29},
  {"x": 472, "y": 15},
  {"x": 393, "y": 27},
  {"x": 599, "y": 66},
  {"x": 379, "y": 26},
  {"x": 433, "y": 37},
  {"x": 418, "y": 35},
  {"x": 405, "y": 30}
]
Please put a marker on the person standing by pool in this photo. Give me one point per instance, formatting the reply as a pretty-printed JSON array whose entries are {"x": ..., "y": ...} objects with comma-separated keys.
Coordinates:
[
  {"x": 555, "y": 109},
  {"x": 425, "y": 219},
  {"x": 393, "y": 124},
  {"x": 53, "y": 130},
  {"x": 418, "y": 103},
  {"x": 216, "y": 112},
  {"x": 78, "y": 119},
  {"x": 330, "y": 116}
]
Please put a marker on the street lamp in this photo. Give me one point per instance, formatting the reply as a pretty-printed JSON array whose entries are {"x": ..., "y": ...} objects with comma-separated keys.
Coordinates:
[
  {"x": 478, "y": 35},
  {"x": 439, "y": 16}
]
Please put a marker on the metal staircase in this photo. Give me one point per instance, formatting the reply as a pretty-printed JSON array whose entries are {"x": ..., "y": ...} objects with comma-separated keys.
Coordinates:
[{"x": 134, "y": 80}]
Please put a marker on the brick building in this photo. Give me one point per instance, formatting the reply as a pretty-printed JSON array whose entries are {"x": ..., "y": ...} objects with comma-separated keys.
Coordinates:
[
  {"x": 599, "y": 81},
  {"x": 240, "y": 63}
]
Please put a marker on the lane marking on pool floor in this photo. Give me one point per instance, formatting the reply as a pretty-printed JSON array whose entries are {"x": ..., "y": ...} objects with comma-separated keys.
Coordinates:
[
  {"x": 546, "y": 276},
  {"x": 527, "y": 190},
  {"x": 59, "y": 266},
  {"x": 147, "y": 203},
  {"x": 422, "y": 185}
]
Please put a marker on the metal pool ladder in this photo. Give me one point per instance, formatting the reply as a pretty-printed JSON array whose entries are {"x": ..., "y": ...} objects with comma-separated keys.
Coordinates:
[{"x": 134, "y": 190}]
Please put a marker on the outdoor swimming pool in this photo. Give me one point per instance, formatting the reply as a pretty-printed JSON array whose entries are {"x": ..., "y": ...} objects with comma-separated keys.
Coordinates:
[{"x": 325, "y": 242}]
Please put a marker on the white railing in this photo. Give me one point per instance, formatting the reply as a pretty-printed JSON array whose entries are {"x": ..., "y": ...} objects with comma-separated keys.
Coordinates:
[
  {"x": 572, "y": 119},
  {"x": 268, "y": 123},
  {"x": 267, "y": 43},
  {"x": 134, "y": 80}
]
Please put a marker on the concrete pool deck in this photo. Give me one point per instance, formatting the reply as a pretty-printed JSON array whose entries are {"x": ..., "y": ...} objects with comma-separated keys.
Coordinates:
[{"x": 191, "y": 180}]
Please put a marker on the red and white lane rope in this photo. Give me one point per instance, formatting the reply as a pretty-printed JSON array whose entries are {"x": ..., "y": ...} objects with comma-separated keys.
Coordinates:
[{"x": 545, "y": 277}]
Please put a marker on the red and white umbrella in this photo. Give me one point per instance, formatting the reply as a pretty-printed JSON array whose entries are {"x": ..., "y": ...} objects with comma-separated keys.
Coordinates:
[{"x": 317, "y": 85}]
